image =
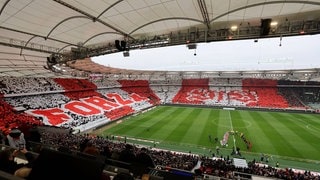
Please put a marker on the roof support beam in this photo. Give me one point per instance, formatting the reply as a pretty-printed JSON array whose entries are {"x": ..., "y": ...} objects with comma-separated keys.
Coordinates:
[
  {"x": 96, "y": 35},
  {"x": 108, "y": 8},
  {"x": 4, "y": 5},
  {"x": 265, "y": 3},
  {"x": 26, "y": 47},
  {"x": 32, "y": 34},
  {"x": 204, "y": 12},
  {"x": 63, "y": 48},
  {"x": 26, "y": 44},
  {"x": 67, "y": 19},
  {"x": 92, "y": 17},
  {"x": 165, "y": 19}
]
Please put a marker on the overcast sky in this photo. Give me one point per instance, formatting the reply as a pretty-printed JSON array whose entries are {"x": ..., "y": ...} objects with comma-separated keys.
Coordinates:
[{"x": 297, "y": 52}]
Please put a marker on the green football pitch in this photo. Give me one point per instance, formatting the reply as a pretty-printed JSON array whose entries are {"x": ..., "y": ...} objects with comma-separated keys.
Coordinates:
[{"x": 292, "y": 139}]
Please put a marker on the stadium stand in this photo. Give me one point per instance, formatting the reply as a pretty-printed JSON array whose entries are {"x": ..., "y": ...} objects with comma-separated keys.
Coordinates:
[{"x": 62, "y": 109}]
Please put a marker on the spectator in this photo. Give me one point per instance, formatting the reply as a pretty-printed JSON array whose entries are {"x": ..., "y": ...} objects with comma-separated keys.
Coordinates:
[
  {"x": 106, "y": 151},
  {"x": 144, "y": 158},
  {"x": 92, "y": 150},
  {"x": 35, "y": 135},
  {"x": 23, "y": 172},
  {"x": 2, "y": 138},
  {"x": 16, "y": 139},
  {"x": 33, "y": 141},
  {"x": 83, "y": 144},
  {"x": 142, "y": 164},
  {"x": 123, "y": 176},
  {"x": 8, "y": 163},
  {"x": 127, "y": 155}
]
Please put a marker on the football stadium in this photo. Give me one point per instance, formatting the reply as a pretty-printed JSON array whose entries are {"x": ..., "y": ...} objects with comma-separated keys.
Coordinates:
[{"x": 163, "y": 89}]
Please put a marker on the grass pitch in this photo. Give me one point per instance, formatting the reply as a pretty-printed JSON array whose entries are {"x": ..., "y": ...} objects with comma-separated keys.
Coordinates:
[{"x": 293, "y": 139}]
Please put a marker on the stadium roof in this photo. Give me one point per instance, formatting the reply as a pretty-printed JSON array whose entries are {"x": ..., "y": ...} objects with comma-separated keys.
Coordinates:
[{"x": 32, "y": 30}]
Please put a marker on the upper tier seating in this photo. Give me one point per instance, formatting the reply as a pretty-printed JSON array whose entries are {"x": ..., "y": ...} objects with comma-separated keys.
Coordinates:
[{"x": 75, "y": 103}]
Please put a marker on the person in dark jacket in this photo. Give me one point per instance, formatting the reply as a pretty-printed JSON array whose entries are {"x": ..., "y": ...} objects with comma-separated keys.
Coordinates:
[
  {"x": 142, "y": 164},
  {"x": 144, "y": 158},
  {"x": 127, "y": 155},
  {"x": 2, "y": 138},
  {"x": 8, "y": 163}
]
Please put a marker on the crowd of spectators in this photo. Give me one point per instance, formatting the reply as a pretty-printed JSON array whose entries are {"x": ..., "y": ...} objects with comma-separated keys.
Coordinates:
[
  {"x": 160, "y": 157},
  {"x": 59, "y": 90},
  {"x": 38, "y": 102},
  {"x": 215, "y": 166},
  {"x": 25, "y": 85},
  {"x": 24, "y": 92},
  {"x": 223, "y": 167}
]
